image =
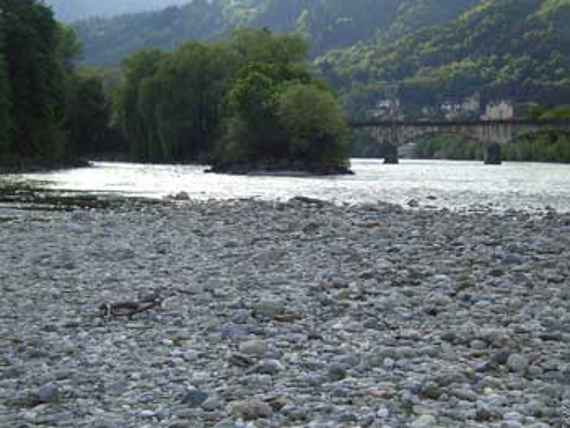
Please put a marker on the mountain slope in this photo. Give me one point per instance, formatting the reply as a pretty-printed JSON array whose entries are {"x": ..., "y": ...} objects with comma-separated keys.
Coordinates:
[
  {"x": 436, "y": 49},
  {"x": 327, "y": 24},
  {"x": 515, "y": 48}
]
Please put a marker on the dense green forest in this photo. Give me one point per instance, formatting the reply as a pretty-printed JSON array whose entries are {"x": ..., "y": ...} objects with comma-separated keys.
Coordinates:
[
  {"x": 246, "y": 103},
  {"x": 45, "y": 112}
]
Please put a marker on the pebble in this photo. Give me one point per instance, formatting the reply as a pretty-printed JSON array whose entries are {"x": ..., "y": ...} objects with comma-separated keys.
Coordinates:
[
  {"x": 424, "y": 421},
  {"x": 284, "y": 314},
  {"x": 251, "y": 409},
  {"x": 518, "y": 363},
  {"x": 48, "y": 393},
  {"x": 253, "y": 348},
  {"x": 194, "y": 398}
]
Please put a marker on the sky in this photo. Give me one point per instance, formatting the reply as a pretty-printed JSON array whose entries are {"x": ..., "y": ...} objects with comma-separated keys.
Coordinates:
[{"x": 70, "y": 10}]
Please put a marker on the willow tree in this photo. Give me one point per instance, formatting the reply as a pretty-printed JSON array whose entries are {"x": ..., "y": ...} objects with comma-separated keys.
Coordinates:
[
  {"x": 88, "y": 114},
  {"x": 194, "y": 82},
  {"x": 171, "y": 105},
  {"x": 137, "y": 129}
]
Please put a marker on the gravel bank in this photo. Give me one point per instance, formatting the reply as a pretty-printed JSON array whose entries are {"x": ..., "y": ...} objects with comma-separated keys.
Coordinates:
[{"x": 284, "y": 314}]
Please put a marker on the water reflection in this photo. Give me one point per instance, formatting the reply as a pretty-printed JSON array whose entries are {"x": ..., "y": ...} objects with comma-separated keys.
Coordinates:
[{"x": 430, "y": 182}]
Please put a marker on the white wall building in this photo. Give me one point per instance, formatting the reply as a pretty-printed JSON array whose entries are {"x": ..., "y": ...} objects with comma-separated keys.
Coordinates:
[{"x": 499, "y": 110}]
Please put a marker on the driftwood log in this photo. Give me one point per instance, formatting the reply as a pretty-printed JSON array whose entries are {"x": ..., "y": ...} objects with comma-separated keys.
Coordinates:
[{"x": 129, "y": 308}]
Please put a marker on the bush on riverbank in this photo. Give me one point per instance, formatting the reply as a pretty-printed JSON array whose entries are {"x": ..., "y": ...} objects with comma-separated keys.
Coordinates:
[
  {"x": 543, "y": 147},
  {"x": 547, "y": 146},
  {"x": 242, "y": 103},
  {"x": 449, "y": 147}
]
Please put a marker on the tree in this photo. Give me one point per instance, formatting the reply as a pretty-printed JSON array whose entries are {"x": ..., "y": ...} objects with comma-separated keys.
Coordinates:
[
  {"x": 252, "y": 101},
  {"x": 138, "y": 67},
  {"x": 315, "y": 124},
  {"x": 171, "y": 105},
  {"x": 279, "y": 114},
  {"x": 175, "y": 107},
  {"x": 184, "y": 100},
  {"x": 88, "y": 114},
  {"x": 36, "y": 79},
  {"x": 5, "y": 96},
  {"x": 262, "y": 46},
  {"x": 68, "y": 47}
]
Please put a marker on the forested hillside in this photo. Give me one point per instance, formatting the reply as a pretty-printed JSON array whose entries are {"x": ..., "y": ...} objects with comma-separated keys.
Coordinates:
[
  {"x": 73, "y": 10},
  {"x": 327, "y": 24},
  {"x": 518, "y": 49},
  {"x": 434, "y": 49},
  {"x": 109, "y": 41}
]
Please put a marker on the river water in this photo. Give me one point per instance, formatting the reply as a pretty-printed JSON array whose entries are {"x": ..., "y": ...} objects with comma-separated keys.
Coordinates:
[{"x": 431, "y": 183}]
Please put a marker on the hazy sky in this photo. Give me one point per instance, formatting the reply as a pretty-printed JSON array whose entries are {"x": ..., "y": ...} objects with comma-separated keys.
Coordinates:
[{"x": 69, "y": 10}]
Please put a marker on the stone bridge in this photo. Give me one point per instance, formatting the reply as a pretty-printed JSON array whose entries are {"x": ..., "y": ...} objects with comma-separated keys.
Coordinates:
[{"x": 489, "y": 133}]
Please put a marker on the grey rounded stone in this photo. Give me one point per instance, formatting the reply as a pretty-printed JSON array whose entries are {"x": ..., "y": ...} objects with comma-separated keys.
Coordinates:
[
  {"x": 269, "y": 308},
  {"x": 251, "y": 409},
  {"x": 518, "y": 363},
  {"x": 430, "y": 390},
  {"x": 48, "y": 393},
  {"x": 336, "y": 372},
  {"x": 194, "y": 398},
  {"x": 253, "y": 347},
  {"x": 270, "y": 367},
  {"x": 389, "y": 363},
  {"x": 424, "y": 421},
  {"x": 212, "y": 403}
]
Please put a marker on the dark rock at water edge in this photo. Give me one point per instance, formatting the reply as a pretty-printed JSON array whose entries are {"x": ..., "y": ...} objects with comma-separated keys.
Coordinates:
[{"x": 285, "y": 168}]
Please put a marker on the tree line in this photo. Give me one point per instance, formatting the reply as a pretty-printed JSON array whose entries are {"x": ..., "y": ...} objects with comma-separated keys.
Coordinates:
[
  {"x": 49, "y": 111},
  {"x": 247, "y": 102},
  {"x": 250, "y": 100}
]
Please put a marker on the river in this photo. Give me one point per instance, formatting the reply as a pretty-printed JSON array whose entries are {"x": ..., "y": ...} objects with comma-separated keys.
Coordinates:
[{"x": 430, "y": 183}]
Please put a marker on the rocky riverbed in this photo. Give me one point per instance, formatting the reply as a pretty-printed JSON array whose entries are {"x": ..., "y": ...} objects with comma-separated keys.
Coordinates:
[{"x": 293, "y": 314}]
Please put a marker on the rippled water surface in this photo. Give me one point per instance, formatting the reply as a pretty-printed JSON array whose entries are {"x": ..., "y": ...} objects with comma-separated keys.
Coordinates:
[{"x": 430, "y": 182}]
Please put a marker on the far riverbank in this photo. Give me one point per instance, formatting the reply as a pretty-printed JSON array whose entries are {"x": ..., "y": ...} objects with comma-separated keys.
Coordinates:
[{"x": 34, "y": 166}]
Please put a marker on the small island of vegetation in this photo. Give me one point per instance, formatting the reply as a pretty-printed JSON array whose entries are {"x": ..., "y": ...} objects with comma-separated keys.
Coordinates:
[{"x": 248, "y": 104}]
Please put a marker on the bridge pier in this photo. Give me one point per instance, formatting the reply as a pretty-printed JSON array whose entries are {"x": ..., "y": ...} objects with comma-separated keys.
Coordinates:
[
  {"x": 390, "y": 154},
  {"x": 493, "y": 154}
]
